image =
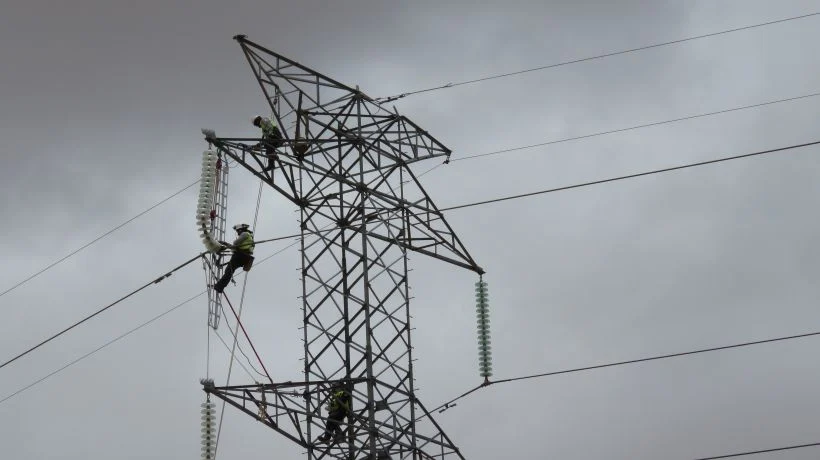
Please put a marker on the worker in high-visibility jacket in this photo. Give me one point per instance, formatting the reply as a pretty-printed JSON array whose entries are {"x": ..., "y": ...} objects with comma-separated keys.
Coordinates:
[
  {"x": 242, "y": 255},
  {"x": 338, "y": 407},
  {"x": 271, "y": 137}
]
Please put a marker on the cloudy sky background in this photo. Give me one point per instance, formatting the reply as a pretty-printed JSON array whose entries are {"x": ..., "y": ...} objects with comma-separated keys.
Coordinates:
[{"x": 102, "y": 103}]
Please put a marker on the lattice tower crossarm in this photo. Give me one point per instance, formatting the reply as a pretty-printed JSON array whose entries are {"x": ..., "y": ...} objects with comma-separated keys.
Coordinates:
[{"x": 345, "y": 162}]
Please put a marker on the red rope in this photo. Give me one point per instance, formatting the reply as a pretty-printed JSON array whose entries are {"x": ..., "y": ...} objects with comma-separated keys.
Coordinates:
[{"x": 247, "y": 337}]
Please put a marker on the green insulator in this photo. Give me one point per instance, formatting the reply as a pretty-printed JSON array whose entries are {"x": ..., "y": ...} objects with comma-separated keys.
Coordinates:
[
  {"x": 208, "y": 430},
  {"x": 483, "y": 329}
]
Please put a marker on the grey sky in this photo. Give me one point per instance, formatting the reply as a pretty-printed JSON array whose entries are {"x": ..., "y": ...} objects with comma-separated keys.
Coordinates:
[{"x": 102, "y": 103}]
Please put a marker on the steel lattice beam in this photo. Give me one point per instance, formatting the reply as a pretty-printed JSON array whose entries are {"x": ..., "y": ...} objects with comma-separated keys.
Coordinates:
[{"x": 346, "y": 164}]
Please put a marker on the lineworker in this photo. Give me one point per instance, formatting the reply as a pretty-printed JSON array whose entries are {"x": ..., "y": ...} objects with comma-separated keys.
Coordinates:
[
  {"x": 271, "y": 137},
  {"x": 242, "y": 255},
  {"x": 338, "y": 407}
]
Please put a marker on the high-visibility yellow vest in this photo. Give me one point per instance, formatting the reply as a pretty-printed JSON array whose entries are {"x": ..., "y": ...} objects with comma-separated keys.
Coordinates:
[
  {"x": 245, "y": 242},
  {"x": 269, "y": 129},
  {"x": 338, "y": 401}
]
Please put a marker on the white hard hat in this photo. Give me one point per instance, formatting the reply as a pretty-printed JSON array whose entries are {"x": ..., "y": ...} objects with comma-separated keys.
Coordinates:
[{"x": 243, "y": 225}]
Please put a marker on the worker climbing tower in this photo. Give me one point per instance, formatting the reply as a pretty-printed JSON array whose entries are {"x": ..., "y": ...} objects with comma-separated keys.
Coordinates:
[{"x": 344, "y": 161}]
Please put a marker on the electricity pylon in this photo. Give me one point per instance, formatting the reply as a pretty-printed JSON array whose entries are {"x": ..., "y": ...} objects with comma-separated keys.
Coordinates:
[{"x": 344, "y": 161}]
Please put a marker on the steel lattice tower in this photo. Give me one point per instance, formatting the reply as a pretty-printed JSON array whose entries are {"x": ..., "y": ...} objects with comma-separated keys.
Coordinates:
[{"x": 345, "y": 164}]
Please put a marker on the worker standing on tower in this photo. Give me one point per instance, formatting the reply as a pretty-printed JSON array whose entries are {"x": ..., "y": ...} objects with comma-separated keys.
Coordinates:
[
  {"x": 271, "y": 137},
  {"x": 338, "y": 407},
  {"x": 242, "y": 255}
]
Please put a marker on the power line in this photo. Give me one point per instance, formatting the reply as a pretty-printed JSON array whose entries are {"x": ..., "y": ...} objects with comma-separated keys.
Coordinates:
[
  {"x": 447, "y": 405},
  {"x": 657, "y": 123},
  {"x": 630, "y": 176},
  {"x": 278, "y": 238},
  {"x": 450, "y": 85},
  {"x": 53, "y": 264},
  {"x": 702, "y": 163},
  {"x": 620, "y": 130},
  {"x": 591, "y": 58},
  {"x": 469, "y": 157},
  {"x": 121, "y": 336},
  {"x": 655, "y": 358},
  {"x": 166, "y": 275},
  {"x": 129, "y": 332},
  {"x": 765, "y": 451}
]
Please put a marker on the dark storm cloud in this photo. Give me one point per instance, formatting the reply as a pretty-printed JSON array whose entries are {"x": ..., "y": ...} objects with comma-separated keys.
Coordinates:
[{"x": 102, "y": 103}]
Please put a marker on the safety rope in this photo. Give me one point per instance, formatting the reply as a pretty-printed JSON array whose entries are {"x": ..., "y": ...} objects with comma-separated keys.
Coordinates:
[
  {"x": 242, "y": 352},
  {"x": 228, "y": 349},
  {"x": 247, "y": 337},
  {"x": 236, "y": 331}
]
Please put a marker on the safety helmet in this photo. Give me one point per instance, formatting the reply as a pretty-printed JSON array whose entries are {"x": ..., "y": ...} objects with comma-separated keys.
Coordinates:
[
  {"x": 257, "y": 120},
  {"x": 240, "y": 227}
]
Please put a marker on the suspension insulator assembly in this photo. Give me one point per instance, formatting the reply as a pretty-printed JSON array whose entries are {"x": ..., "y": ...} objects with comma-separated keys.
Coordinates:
[
  {"x": 208, "y": 430},
  {"x": 485, "y": 359},
  {"x": 207, "y": 192}
]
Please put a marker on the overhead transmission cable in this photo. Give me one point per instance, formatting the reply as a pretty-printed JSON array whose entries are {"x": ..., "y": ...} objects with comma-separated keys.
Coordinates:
[
  {"x": 590, "y": 58},
  {"x": 630, "y": 176},
  {"x": 144, "y": 286},
  {"x": 478, "y": 203},
  {"x": 161, "y": 315},
  {"x": 646, "y": 125},
  {"x": 74, "y": 252},
  {"x": 618, "y": 130},
  {"x": 451, "y": 85},
  {"x": 765, "y": 451},
  {"x": 115, "y": 339},
  {"x": 469, "y": 157},
  {"x": 448, "y": 404},
  {"x": 121, "y": 299}
]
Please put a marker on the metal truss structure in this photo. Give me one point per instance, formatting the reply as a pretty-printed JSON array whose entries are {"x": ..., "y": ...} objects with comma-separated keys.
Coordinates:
[{"x": 344, "y": 160}]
